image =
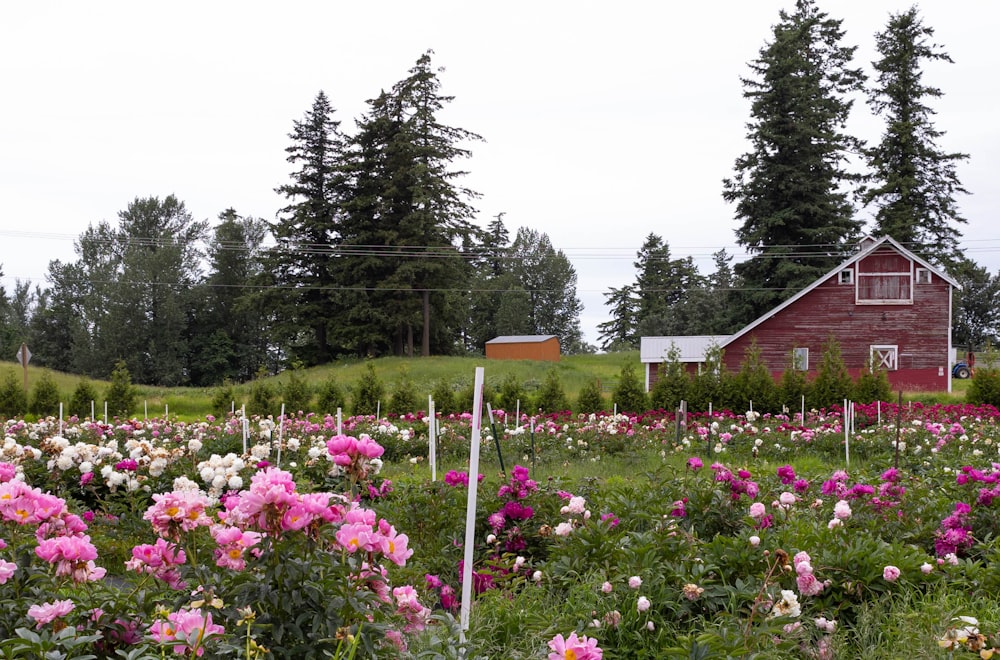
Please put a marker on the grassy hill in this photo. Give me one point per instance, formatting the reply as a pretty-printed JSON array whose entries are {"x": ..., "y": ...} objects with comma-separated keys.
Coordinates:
[{"x": 193, "y": 402}]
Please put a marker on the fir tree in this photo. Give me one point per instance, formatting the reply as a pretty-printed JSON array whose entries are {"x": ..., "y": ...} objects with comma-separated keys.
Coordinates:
[
  {"x": 914, "y": 180},
  {"x": 796, "y": 217}
]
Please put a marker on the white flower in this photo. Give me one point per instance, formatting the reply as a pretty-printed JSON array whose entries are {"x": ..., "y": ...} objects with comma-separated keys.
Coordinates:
[
  {"x": 86, "y": 467},
  {"x": 537, "y": 576},
  {"x": 787, "y": 606},
  {"x": 194, "y": 445},
  {"x": 219, "y": 482},
  {"x": 235, "y": 482},
  {"x": 754, "y": 540},
  {"x": 563, "y": 529},
  {"x": 642, "y": 604}
]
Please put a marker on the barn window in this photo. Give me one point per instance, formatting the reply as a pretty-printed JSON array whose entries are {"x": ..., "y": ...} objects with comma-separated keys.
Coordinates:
[
  {"x": 923, "y": 276},
  {"x": 885, "y": 356},
  {"x": 885, "y": 279},
  {"x": 800, "y": 359},
  {"x": 847, "y": 276}
]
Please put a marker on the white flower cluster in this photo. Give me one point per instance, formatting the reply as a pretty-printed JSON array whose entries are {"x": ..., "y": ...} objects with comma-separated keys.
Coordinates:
[
  {"x": 13, "y": 451},
  {"x": 221, "y": 472}
]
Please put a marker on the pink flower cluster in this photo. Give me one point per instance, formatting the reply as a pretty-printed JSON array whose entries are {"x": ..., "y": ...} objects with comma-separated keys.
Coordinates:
[
  {"x": 514, "y": 511},
  {"x": 176, "y": 512},
  {"x": 187, "y": 630},
  {"x": 49, "y": 612},
  {"x": 806, "y": 581},
  {"x": 354, "y": 455},
  {"x": 360, "y": 533},
  {"x": 72, "y": 556},
  {"x": 954, "y": 535},
  {"x": 272, "y": 505},
  {"x": 574, "y": 648},
  {"x": 739, "y": 484},
  {"x": 159, "y": 560},
  {"x": 233, "y": 543}
]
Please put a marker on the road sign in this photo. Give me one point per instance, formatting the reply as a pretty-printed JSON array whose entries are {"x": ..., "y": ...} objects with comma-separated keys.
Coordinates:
[{"x": 23, "y": 355}]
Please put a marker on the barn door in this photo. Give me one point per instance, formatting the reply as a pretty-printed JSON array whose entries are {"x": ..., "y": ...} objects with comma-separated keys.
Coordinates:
[{"x": 885, "y": 357}]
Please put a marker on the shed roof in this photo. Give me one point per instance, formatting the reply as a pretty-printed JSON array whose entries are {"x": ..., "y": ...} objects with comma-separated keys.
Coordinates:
[
  {"x": 520, "y": 339},
  {"x": 692, "y": 348}
]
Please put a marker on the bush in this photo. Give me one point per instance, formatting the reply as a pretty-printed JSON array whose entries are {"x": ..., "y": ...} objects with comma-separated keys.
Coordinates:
[
  {"x": 985, "y": 385},
  {"x": 368, "y": 392},
  {"x": 404, "y": 395},
  {"x": 551, "y": 397},
  {"x": 713, "y": 384},
  {"x": 629, "y": 395},
  {"x": 84, "y": 400},
  {"x": 832, "y": 384},
  {"x": 13, "y": 402},
  {"x": 224, "y": 399},
  {"x": 121, "y": 396},
  {"x": 511, "y": 392},
  {"x": 590, "y": 400},
  {"x": 45, "y": 396},
  {"x": 296, "y": 393},
  {"x": 672, "y": 383},
  {"x": 872, "y": 385},
  {"x": 261, "y": 400},
  {"x": 793, "y": 386},
  {"x": 465, "y": 398},
  {"x": 444, "y": 397},
  {"x": 753, "y": 385},
  {"x": 330, "y": 396}
]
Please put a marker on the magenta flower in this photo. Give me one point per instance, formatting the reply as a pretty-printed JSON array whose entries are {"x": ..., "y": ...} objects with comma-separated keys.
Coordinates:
[
  {"x": 890, "y": 573},
  {"x": 694, "y": 464}
]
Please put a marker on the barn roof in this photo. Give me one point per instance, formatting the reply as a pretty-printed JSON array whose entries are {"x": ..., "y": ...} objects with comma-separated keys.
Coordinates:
[
  {"x": 520, "y": 339},
  {"x": 692, "y": 348},
  {"x": 868, "y": 245}
]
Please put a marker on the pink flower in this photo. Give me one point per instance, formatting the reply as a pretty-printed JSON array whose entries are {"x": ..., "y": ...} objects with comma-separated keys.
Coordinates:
[
  {"x": 574, "y": 648},
  {"x": 7, "y": 570},
  {"x": 890, "y": 573},
  {"x": 634, "y": 582},
  {"x": 757, "y": 510},
  {"x": 183, "y": 627},
  {"x": 606, "y": 588},
  {"x": 48, "y": 612},
  {"x": 642, "y": 604}
]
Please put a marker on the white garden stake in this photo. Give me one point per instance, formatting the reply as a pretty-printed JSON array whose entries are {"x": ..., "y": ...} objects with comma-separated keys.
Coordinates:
[
  {"x": 246, "y": 427},
  {"x": 281, "y": 428},
  {"x": 340, "y": 422},
  {"x": 432, "y": 437},
  {"x": 93, "y": 417},
  {"x": 847, "y": 435},
  {"x": 470, "y": 511},
  {"x": 60, "y": 418}
]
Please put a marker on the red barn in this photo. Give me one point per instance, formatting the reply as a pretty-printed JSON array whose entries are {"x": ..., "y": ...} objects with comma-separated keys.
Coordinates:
[
  {"x": 884, "y": 304},
  {"x": 523, "y": 347}
]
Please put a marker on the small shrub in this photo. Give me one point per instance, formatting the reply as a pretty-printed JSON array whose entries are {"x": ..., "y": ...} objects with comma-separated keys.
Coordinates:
[
  {"x": 45, "y": 396},
  {"x": 551, "y": 397},
  {"x": 296, "y": 393},
  {"x": 671, "y": 386},
  {"x": 872, "y": 385},
  {"x": 83, "y": 401},
  {"x": 832, "y": 384},
  {"x": 444, "y": 397},
  {"x": 368, "y": 392},
  {"x": 510, "y": 394},
  {"x": 121, "y": 396},
  {"x": 590, "y": 399},
  {"x": 985, "y": 385},
  {"x": 261, "y": 401},
  {"x": 330, "y": 396},
  {"x": 404, "y": 395},
  {"x": 13, "y": 402},
  {"x": 629, "y": 394},
  {"x": 753, "y": 385},
  {"x": 224, "y": 399}
]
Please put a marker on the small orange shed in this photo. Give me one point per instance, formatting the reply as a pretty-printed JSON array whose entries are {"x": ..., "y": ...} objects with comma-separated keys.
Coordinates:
[{"x": 523, "y": 347}]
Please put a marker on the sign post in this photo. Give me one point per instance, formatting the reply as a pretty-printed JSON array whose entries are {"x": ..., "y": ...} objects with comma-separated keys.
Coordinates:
[{"x": 23, "y": 355}]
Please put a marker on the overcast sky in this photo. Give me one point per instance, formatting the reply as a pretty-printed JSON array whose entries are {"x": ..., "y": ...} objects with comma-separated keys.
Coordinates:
[{"x": 602, "y": 124}]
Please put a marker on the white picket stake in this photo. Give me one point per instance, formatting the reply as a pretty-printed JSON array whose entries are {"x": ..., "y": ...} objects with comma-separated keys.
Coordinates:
[
  {"x": 246, "y": 428},
  {"x": 60, "y": 419},
  {"x": 145, "y": 410},
  {"x": 470, "y": 511},
  {"x": 340, "y": 422},
  {"x": 281, "y": 428},
  {"x": 878, "y": 407},
  {"x": 93, "y": 416},
  {"x": 105, "y": 413},
  {"x": 517, "y": 413},
  {"x": 432, "y": 437},
  {"x": 378, "y": 410},
  {"x": 166, "y": 410},
  {"x": 803, "y": 410},
  {"x": 847, "y": 435}
]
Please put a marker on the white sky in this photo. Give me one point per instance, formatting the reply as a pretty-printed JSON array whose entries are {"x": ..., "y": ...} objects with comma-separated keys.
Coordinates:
[{"x": 601, "y": 124}]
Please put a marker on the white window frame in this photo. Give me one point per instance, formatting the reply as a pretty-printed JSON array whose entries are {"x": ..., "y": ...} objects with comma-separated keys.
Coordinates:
[
  {"x": 800, "y": 358},
  {"x": 884, "y": 356},
  {"x": 923, "y": 276},
  {"x": 846, "y": 276}
]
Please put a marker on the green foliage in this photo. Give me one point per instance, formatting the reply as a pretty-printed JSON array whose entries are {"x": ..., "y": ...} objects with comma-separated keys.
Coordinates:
[
  {"x": 833, "y": 383},
  {"x": 465, "y": 398},
  {"x": 368, "y": 392},
  {"x": 443, "y": 394},
  {"x": 793, "y": 385},
  {"x": 224, "y": 399},
  {"x": 872, "y": 384},
  {"x": 13, "y": 402},
  {"x": 590, "y": 400},
  {"x": 404, "y": 397},
  {"x": 295, "y": 392},
  {"x": 261, "y": 399},
  {"x": 753, "y": 384},
  {"x": 713, "y": 384},
  {"x": 83, "y": 400},
  {"x": 796, "y": 215},
  {"x": 45, "y": 397},
  {"x": 511, "y": 394},
  {"x": 672, "y": 382},
  {"x": 330, "y": 396},
  {"x": 120, "y": 395},
  {"x": 629, "y": 394},
  {"x": 985, "y": 386},
  {"x": 551, "y": 397}
]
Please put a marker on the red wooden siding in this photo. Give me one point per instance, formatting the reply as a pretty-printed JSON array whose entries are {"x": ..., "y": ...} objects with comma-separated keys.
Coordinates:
[{"x": 547, "y": 350}]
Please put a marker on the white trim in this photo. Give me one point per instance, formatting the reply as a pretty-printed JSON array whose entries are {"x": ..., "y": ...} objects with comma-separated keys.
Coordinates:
[
  {"x": 846, "y": 276},
  {"x": 884, "y": 356},
  {"x": 923, "y": 276},
  {"x": 797, "y": 362}
]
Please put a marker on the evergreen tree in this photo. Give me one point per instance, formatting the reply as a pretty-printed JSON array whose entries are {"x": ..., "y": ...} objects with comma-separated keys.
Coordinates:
[
  {"x": 590, "y": 399},
  {"x": 793, "y": 385},
  {"x": 487, "y": 284},
  {"x": 368, "y": 392},
  {"x": 629, "y": 394},
  {"x": 975, "y": 306},
  {"x": 672, "y": 382},
  {"x": 330, "y": 396},
  {"x": 713, "y": 383},
  {"x": 915, "y": 182},
  {"x": 872, "y": 384},
  {"x": 618, "y": 333},
  {"x": 296, "y": 392},
  {"x": 551, "y": 398},
  {"x": 510, "y": 394},
  {"x": 404, "y": 198},
  {"x": 753, "y": 383},
  {"x": 833, "y": 383},
  {"x": 443, "y": 394},
  {"x": 13, "y": 401},
  {"x": 45, "y": 395},
  {"x": 404, "y": 394},
  {"x": 542, "y": 296},
  {"x": 797, "y": 220},
  {"x": 83, "y": 399},
  {"x": 307, "y": 232},
  {"x": 120, "y": 396}
]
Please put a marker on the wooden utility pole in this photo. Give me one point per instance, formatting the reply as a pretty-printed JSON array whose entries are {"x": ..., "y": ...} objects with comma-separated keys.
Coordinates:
[{"x": 23, "y": 355}]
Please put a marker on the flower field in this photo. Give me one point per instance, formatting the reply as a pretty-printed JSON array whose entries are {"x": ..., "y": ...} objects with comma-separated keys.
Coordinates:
[{"x": 604, "y": 536}]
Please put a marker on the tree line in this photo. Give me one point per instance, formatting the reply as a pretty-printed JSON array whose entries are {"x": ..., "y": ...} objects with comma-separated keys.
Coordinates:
[
  {"x": 376, "y": 253},
  {"x": 797, "y": 190}
]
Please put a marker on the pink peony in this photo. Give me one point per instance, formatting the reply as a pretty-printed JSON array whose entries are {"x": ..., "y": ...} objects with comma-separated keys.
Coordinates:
[
  {"x": 574, "y": 648},
  {"x": 48, "y": 612}
]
